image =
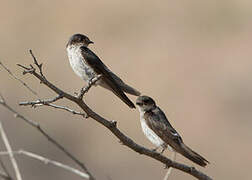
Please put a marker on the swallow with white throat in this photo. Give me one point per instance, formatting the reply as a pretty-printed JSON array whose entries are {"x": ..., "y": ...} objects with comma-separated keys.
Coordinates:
[
  {"x": 160, "y": 132},
  {"x": 88, "y": 65}
]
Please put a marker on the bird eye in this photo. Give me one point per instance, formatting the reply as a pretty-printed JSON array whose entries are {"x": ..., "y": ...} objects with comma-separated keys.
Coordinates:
[{"x": 146, "y": 101}]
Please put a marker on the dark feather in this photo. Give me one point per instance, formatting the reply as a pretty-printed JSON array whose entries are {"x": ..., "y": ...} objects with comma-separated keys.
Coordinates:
[
  {"x": 94, "y": 61},
  {"x": 158, "y": 122}
]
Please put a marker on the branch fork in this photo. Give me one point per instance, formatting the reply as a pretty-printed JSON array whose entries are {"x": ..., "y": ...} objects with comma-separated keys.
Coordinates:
[
  {"x": 110, "y": 125},
  {"x": 90, "y": 83}
]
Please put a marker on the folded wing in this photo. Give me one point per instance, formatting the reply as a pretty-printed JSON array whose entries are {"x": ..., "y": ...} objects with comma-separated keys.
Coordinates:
[{"x": 100, "y": 68}]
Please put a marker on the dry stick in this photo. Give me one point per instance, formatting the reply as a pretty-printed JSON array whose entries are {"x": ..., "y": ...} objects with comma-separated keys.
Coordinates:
[
  {"x": 49, "y": 161},
  {"x": 49, "y": 103},
  {"x": 111, "y": 125},
  {"x": 8, "y": 147},
  {"x": 22, "y": 82},
  {"x": 44, "y": 133},
  {"x": 45, "y": 102},
  {"x": 173, "y": 158},
  {"x": 63, "y": 108},
  {"x": 85, "y": 89},
  {"x": 5, "y": 175}
]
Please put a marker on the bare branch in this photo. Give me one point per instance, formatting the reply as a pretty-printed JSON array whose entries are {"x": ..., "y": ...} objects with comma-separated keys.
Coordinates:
[
  {"x": 49, "y": 161},
  {"x": 85, "y": 89},
  {"x": 173, "y": 158},
  {"x": 39, "y": 102},
  {"x": 5, "y": 175},
  {"x": 2, "y": 98},
  {"x": 45, "y": 134},
  {"x": 67, "y": 109},
  {"x": 20, "y": 65},
  {"x": 122, "y": 137},
  {"x": 9, "y": 149},
  {"x": 36, "y": 63},
  {"x": 22, "y": 82}
]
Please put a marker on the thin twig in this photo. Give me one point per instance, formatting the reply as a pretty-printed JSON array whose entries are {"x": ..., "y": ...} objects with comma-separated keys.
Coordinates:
[
  {"x": 36, "y": 63},
  {"x": 2, "y": 100},
  {"x": 45, "y": 134},
  {"x": 85, "y": 89},
  {"x": 173, "y": 158},
  {"x": 16, "y": 78},
  {"x": 43, "y": 102},
  {"x": 9, "y": 150},
  {"x": 69, "y": 110},
  {"x": 49, "y": 161},
  {"x": 5, "y": 174},
  {"x": 66, "y": 109},
  {"x": 122, "y": 137},
  {"x": 39, "y": 102}
]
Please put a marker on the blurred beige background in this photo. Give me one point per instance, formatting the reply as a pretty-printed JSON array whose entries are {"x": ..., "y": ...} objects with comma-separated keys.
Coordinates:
[{"x": 192, "y": 57}]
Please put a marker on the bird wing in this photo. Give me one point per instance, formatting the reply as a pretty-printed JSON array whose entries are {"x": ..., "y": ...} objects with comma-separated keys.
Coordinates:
[
  {"x": 94, "y": 61},
  {"x": 125, "y": 87},
  {"x": 158, "y": 122}
]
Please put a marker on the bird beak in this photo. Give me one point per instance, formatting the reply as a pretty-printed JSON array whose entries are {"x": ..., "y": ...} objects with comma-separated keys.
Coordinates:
[
  {"x": 91, "y": 42},
  {"x": 67, "y": 44}
]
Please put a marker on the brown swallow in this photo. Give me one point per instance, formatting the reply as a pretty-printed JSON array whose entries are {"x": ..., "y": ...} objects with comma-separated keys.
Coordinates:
[
  {"x": 160, "y": 132},
  {"x": 88, "y": 65}
]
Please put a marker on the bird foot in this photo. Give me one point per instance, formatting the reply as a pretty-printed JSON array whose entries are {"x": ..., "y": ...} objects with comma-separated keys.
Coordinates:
[
  {"x": 155, "y": 149},
  {"x": 162, "y": 151}
]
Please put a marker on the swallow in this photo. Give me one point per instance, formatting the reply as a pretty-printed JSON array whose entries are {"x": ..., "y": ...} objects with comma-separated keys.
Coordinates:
[
  {"x": 87, "y": 65},
  {"x": 160, "y": 132}
]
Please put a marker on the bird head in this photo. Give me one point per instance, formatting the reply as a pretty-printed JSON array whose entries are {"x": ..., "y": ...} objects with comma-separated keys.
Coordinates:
[
  {"x": 79, "y": 39},
  {"x": 145, "y": 103}
]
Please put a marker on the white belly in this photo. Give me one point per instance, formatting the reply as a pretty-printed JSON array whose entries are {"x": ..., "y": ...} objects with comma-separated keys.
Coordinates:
[
  {"x": 78, "y": 64},
  {"x": 149, "y": 133}
]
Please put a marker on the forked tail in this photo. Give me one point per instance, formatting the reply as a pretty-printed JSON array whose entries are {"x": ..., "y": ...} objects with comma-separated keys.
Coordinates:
[{"x": 192, "y": 155}]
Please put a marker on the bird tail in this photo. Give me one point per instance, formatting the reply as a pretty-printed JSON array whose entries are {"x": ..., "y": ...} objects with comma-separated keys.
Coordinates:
[
  {"x": 119, "y": 94},
  {"x": 192, "y": 155},
  {"x": 130, "y": 90},
  {"x": 125, "y": 88}
]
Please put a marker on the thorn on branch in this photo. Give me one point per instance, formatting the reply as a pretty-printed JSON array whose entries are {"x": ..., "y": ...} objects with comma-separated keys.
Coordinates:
[
  {"x": 192, "y": 169},
  {"x": 113, "y": 124},
  {"x": 86, "y": 116},
  {"x": 121, "y": 142}
]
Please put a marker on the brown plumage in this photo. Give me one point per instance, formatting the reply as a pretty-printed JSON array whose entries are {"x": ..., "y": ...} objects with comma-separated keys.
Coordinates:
[
  {"x": 159, "y": 124},
  {"x": 107, "y": 80},
  {"x": 88, "y": 65}
]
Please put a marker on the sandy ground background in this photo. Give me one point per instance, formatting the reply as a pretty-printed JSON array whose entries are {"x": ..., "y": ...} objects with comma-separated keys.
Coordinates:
[{"x": 192, "y": 57}]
